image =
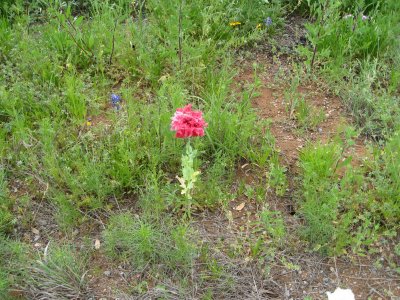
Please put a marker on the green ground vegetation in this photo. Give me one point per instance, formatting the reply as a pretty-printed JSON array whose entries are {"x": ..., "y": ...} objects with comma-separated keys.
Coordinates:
[{"x": 64, "y": 144}]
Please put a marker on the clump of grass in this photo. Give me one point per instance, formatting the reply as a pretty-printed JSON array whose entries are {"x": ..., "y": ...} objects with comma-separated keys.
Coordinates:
[
  {"x": 137, "y": 241},
  {"x": 13, "y": 260},
  {"x": 308, "y": 116},
  {"x": 67, "y": 215},
  {"x": 59, "y": 274}
]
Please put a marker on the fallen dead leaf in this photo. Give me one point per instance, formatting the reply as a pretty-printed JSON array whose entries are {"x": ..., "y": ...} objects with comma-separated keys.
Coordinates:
[
  {"x": 35, "y": 231},
  {"x": 240, "y": 206}
]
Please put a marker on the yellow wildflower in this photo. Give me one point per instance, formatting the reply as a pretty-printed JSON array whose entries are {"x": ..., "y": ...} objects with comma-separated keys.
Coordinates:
[
  {"x": 259, "y": 25},
  {"x": 234, "y": 24}
]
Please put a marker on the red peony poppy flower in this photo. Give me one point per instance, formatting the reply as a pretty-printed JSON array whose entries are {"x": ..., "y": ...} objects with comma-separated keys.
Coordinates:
[{"x": 187, "y": 122}]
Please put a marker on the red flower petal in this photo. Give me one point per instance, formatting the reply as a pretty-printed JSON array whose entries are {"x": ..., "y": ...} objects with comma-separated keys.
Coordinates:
[{"x": 187, "y": 122}]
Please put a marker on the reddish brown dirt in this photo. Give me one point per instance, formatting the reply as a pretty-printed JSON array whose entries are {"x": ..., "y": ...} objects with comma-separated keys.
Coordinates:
[
  {"x": 269, "y": 105},
  {"x": 289, "y": 140}
]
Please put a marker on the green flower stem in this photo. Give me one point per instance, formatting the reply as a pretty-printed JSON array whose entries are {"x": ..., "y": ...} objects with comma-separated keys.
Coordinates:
[{"x": 189, "y": 176}]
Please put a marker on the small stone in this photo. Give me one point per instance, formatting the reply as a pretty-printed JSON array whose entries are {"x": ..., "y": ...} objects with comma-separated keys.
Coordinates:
[
  {"x": 97, "y": 244},
  {"x": 107, "y": 273},
  {"x": 36, "y": 238},
  {"x": 37, "y": 245}
]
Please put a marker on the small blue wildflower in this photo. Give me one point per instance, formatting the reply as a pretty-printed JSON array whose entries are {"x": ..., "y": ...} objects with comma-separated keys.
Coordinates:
[
  {"x": 115, "y": 101},
  {"x": 268, "y": 21}
]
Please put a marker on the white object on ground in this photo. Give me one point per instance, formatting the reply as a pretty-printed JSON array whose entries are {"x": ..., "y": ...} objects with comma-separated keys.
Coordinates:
[{"x": 341, "y": 294}]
